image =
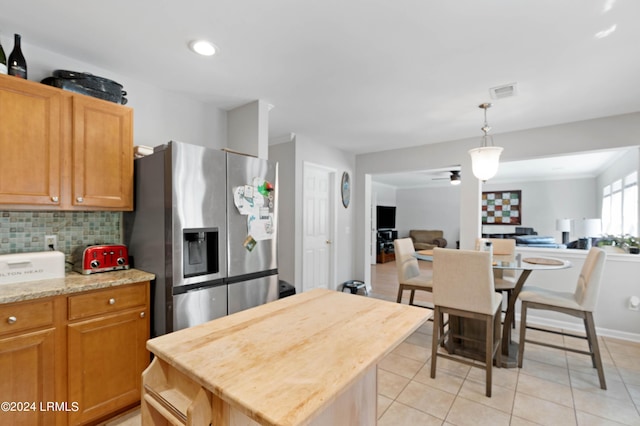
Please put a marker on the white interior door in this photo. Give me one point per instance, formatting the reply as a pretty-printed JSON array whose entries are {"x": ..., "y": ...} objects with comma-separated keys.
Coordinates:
[{"x": 317, "y": 262}]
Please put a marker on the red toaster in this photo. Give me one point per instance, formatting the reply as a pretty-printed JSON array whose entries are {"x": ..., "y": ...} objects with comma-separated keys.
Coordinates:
[{"x": 101, "y": 258}]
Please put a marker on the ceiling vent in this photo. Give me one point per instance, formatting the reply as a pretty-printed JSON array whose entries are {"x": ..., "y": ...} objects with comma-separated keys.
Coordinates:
[{"x": 504, "y": 91}]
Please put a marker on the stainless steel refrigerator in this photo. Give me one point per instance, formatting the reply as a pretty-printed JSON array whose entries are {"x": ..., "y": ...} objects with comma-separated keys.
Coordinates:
[{"x": 208, "y": 236}]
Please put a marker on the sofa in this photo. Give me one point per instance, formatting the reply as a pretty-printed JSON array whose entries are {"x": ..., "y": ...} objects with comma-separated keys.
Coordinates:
[{"x": 427, "y": 239}]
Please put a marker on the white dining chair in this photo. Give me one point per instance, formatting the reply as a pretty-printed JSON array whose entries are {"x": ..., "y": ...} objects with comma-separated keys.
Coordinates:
[
  {"x": 504, "y": 249},
  {"x": 581, "y": 303},
  {"x": 409, "y": 275},
  {"x": 463, "y": 287}
]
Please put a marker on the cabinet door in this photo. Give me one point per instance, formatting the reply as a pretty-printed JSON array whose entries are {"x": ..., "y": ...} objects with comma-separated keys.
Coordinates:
[
  {"x": 30, "y": 143},
  {"x": 106, "y": 358},
  {"x": 27, "y": 376},
  {"x": 102, "y": 173}
]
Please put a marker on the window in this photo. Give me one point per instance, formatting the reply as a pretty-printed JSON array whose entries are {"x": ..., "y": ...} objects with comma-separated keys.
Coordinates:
[
  {"x": 620, "y": 206},
  {"x": 630, "y": 205}
]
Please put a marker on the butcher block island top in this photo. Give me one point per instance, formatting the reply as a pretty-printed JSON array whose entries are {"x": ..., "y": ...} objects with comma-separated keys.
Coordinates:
[{"x": 305, "y": 359}]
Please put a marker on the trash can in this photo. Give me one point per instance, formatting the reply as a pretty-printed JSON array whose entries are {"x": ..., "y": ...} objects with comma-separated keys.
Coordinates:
[
  {"x": 285, "y": 289},
  {"x": 354, "y": 286}
]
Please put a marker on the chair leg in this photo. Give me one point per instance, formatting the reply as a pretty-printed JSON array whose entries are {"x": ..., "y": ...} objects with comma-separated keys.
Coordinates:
[
  {"x": 400, "y": 290},
  {"x": 413, "y": 293},
  {"x": 523, "y": 330},
  {"x": 497, "y": 335},
  {"x": 489, "y": 325},
  {"x": 509, "y": 295},
  {"x": 595, "y": 348},
  {"x": 435, "y": 341}
]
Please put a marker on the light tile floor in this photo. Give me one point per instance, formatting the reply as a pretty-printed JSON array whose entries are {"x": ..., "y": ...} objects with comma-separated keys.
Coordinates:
[{"x": 554, "y": 387}]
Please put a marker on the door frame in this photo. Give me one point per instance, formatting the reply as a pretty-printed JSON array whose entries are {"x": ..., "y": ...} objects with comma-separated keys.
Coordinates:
[{"x": 333, "y": 205}]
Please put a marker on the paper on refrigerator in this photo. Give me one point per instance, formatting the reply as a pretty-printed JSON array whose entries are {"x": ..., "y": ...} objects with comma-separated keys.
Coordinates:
[{"x": 250, "y": 201}]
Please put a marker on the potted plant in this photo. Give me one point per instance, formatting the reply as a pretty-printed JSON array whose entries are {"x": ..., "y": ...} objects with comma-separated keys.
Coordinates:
[{"x": 627, "y": 242}]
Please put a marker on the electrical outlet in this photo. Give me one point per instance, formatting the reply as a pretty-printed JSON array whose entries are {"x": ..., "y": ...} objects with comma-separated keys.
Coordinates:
[{"x": 50, "y": 242}]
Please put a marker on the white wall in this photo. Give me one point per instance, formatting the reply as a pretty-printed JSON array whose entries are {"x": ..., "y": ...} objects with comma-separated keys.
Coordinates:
[
  {"x": 385, "y": 194},
  {"x": 545, "y": 201},
  {"x": 248, "y": 129},
  {"x": 159, "y": 115},
  {"x": 542, "y": 203},
  {"x": 303, "y": 149},
  {"x": 430, "y": 208}
]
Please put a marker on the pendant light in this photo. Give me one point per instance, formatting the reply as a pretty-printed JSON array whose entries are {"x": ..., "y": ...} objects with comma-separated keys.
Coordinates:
[{"x": 485, "y": 159}]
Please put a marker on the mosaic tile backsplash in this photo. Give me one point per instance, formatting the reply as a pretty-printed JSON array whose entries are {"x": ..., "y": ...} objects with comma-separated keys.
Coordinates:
[{"x": 24, "y": 231}]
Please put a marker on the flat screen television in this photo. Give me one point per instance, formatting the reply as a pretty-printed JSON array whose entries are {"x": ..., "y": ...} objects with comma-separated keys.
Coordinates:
[{"x": 385, "y": 217}]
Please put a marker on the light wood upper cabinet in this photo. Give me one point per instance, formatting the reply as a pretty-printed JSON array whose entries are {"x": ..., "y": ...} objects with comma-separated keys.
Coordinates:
[
  {"x": 102, "y": 172},
  {"x": 62, "y": 150},
  {"x": 30, "y": 143}
]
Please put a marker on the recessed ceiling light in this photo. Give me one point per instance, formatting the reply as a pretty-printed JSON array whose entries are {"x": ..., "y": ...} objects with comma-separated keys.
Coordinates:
[{"x": 203, "y": 47}]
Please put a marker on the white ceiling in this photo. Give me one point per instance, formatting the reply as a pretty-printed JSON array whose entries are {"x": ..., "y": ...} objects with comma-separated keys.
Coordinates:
[{"x": 362, "y": 75}]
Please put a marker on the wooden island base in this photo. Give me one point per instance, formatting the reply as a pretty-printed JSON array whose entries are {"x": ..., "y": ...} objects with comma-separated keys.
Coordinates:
[
  {"x": 171, "y": 398},
  {"x": 307, "y": 359}
]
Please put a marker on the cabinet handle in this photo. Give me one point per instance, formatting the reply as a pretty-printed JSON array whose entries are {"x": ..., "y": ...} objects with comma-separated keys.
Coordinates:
[
  {"x": 54, "y": 199},
  {"x": 12, "y": 319},
  {"x": 80, "y": 199},
  {"x": 141, "y": 314},
  {"x": 112, "y": 301}
]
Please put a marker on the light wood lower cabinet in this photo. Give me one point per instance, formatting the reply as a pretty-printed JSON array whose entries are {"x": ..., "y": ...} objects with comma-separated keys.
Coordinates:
[
  {"x": 28, "y": 374},
  {"x": 107, "y": 356},
  {"x": 84, "y": 352}
]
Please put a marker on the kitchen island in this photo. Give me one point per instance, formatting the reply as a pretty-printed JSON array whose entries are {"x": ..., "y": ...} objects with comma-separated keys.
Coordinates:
[{"x": 306, "y": 359}]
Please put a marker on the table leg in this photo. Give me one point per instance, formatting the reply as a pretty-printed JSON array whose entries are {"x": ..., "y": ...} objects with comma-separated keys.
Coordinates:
[{"x": 510, "y": 349}]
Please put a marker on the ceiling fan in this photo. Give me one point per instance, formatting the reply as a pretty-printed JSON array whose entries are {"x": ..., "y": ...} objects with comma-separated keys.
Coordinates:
[{"x": 454, "y": 177}]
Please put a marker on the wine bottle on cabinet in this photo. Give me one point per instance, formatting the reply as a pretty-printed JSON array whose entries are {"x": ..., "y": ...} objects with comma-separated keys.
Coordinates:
[
  {"x": 17, "y": 65},
  {"x": 3, "y": 60}
]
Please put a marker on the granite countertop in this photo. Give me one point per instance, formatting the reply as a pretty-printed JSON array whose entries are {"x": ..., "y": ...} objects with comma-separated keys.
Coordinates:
[
  {"x": 283, "y": 362},
  {"x": 73, "y": 282}
]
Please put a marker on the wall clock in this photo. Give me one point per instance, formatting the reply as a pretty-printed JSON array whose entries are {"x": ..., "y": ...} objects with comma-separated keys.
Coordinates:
[{"x": 346, "y": 189}]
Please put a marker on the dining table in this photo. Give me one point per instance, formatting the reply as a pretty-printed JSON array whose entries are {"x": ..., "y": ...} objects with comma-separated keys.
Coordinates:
[{"x": 525, "y": 266}]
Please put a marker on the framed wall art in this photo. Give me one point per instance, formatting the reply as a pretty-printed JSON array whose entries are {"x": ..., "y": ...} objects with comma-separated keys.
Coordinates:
[{"x": 502, "y": 207}]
